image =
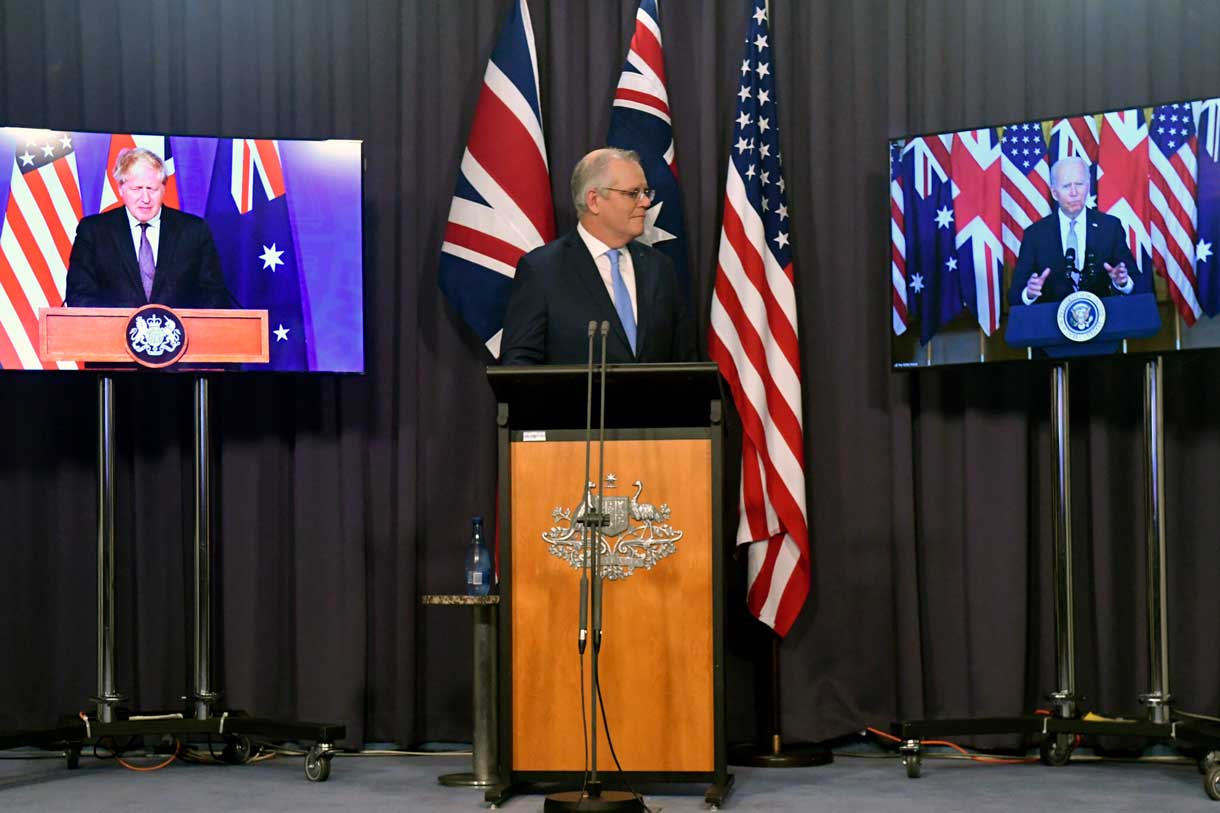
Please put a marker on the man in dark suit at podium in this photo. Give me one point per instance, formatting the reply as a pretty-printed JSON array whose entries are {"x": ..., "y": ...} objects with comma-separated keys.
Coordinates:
[
  {"x": 599, "y": 272},
  {"x": 1074, "y": 248},
  {"x": 144, "y": 252}
]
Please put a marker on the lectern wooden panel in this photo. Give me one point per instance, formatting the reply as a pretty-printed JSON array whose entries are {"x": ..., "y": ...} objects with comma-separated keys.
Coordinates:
[
  {"x": 661, "y": 660},
  {"x": 656, "y": 657},
  {"x": 99, "y": 334}
]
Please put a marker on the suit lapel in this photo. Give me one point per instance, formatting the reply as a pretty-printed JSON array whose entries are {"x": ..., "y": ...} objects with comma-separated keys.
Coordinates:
[
  {"x": 167, "y": 243},
  {"x": 645, "y": 297},
  {"x": 125, "y": 249}
]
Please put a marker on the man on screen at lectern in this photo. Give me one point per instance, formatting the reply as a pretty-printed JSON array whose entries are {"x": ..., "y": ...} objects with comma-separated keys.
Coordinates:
[
  {"x": 144, "y": 252},
  {"x": 1073, "y": 248},
  {"x": 599, "y": 272}
]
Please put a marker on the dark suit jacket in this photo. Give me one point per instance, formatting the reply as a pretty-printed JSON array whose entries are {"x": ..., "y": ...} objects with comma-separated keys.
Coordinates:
[
  {"x": 103, "y": 271},
  {"x": 557, "y": 291},
  {"x": 1042, "y": 248}
]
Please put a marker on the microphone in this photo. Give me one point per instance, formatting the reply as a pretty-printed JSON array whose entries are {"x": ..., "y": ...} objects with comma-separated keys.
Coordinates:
[
  {"x": 586, "y": 501},
  {"x": 604, "y": 329},
  {"x": 1069, "y": 260}
]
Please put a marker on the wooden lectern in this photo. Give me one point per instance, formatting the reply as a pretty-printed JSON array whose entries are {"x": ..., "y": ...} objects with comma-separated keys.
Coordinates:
[
  {"x": 98, "y": 334},
  {"x": 661, "y": 661}
]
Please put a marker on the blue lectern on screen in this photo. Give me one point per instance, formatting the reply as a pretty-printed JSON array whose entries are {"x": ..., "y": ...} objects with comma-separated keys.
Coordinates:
[
  {"x": 284, "y": 217},
  {"x": 990, "y": 224}
]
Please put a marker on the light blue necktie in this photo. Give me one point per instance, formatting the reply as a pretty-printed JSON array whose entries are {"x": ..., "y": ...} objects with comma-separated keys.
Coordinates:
[
  {"x": 622, "y": 299},
  {"x": 1075, "y": 248}
]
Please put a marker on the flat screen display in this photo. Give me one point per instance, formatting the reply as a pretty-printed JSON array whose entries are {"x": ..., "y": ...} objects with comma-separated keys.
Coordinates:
[
  {"x": 255, "y": 252},
  {"x": 1089, "y": 234}
]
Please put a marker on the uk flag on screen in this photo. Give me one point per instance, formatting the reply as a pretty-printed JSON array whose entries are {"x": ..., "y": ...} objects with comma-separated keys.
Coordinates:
[
  {"x": 640, "y": 121},
  {"x": 1077, "y": 136},
  {"x": 975, "y": 160},
  {"x": 247, "y": 211},
  {"x": 1122, "y": 186},
  {"x": 934, "y": 293}
]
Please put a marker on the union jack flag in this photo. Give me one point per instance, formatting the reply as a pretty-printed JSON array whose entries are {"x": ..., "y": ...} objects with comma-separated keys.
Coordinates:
[
  {"x": 975, "y": 162},
  {"x": 1025, "y": 189},
  {"x": 157, "y": 144},
  {"x": 1172, "y": 156},
  {"x": 502, "y": 206},
  {"x": 1122, "y": 186},
  {"x": 640, "y": 121},
  {"x": 898, "y": 241},
  {"x": 753, "y": 338},
  {"x": 1209, "y": 206},
  {"x": 40, "y": 219}
]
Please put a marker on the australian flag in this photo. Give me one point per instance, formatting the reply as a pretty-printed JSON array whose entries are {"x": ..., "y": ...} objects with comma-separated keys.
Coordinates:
[
  {"x": 248, "y": 212},
  {"x": 640, "y": 121},
  {"x": 934, "y": 293},
  {"x": 1206, "y": 272}
]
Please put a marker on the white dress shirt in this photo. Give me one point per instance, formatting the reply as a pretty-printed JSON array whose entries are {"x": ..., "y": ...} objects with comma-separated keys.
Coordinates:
[
  {"x": 598, "y": 249},
  {"x": 154, "y": 234}
]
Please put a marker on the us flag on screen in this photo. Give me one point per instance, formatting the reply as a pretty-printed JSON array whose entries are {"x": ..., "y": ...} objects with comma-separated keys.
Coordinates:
[
  {"x": 898, "y": 242},
  {"x": 753, "y": 338},
  {"x": 975, "y": 162},
  {"x": 640, "y": 121},
  {"x": 1025, "y": 189},
  {"x": 157, "y": 144},
  {"x": 502, "y": 207},
  {"x": 1122, "y": 186},
  {"x": 1209, "y": 207},
  {"x": 1173, "y": 176},
  {"x": 40, "y": 219}
]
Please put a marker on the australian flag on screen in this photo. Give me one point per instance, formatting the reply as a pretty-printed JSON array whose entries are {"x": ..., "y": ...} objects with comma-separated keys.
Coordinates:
[
  {"x": 640, "y": 121},
  {"x": 1206, "y": 271},
  {"x": 248, "y": 212},
  {"x": 933, "y": 284}
]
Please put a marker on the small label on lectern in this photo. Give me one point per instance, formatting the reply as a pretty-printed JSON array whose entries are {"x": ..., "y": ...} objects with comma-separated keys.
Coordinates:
[{"x": 533, "y": 435}]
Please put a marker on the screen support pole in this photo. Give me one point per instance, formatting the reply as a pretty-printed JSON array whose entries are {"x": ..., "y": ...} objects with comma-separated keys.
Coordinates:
[
  {"x": 1157, "y": 699},
  {"x": 202, "y": 694},
  {"x": 107, "y": 697},
  {"x": 1064, "y": 697}
]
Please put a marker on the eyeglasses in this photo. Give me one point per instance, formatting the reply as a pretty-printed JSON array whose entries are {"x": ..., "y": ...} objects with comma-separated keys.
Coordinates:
[{"x": 634, "y": 194}]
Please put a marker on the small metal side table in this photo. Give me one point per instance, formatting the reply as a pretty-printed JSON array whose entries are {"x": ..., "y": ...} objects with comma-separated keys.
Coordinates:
[{"x": 486, "y": 749}]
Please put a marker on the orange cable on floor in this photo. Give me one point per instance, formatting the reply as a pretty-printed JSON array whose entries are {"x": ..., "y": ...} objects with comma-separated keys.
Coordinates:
[
  {"x": 172, "y": 757},
  {"x": 973, "y": 757}
]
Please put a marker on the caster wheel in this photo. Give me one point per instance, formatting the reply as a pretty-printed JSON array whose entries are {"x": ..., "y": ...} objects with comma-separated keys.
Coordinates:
[
  {"x": 1211, "y": 782},
  {"x": 238, "y": 750},
  {"x": 1056, "y": 749},
  {"x": 1207, "y": 760},
  {"x": 72, "y": 758},
  {"x": 317, "y": 765},
  {"x": 913, "y": 764}
]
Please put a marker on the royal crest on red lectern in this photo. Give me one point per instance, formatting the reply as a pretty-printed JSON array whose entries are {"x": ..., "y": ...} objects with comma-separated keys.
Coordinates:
[{"x": 636, "y": 534}]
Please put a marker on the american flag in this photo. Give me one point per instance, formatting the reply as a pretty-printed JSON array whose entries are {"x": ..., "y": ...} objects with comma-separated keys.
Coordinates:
[
  {"x": 1173, "y": 175},
  {"x": 975, "y": 166},
  {"x": 1025, "y": 189},
  {"x": 125, "y": 141},
  {"x": 1078, "y": 136},
  {"x": 1122, "y": 185},
  {"x": 753, "y": 337},
  {"x": 640, "y": 121},
  {"x": 935, "y": 292},
  {"x": 1209, "y": 207},
  {"x": 40, "y": 219},
  {"x": 502, "y": 207},
  {"x": 898, "y": 242}
]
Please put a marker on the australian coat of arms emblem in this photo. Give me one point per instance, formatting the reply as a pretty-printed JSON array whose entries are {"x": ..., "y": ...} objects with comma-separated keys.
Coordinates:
[{"x": 635, "y": 534}]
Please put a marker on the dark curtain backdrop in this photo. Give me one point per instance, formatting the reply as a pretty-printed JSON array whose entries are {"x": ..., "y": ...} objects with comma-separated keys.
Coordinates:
[{"x": 342, "y": 500}]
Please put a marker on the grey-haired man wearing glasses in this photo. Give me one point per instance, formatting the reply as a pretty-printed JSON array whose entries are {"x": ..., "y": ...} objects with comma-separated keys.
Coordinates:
[{"x": 599, "y": 272}]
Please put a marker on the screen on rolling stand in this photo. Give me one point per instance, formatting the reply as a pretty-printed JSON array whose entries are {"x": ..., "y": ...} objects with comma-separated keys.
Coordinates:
[{"x": 269, "y": 229}]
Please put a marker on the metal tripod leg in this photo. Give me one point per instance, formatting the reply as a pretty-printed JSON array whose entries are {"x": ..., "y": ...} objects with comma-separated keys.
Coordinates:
[
  {"x": 1157, "y": 699},
  {"x": 1064, "y": 698},
  {"x": 202, "y": 695},
  {"x": 107, "y": 696}
]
